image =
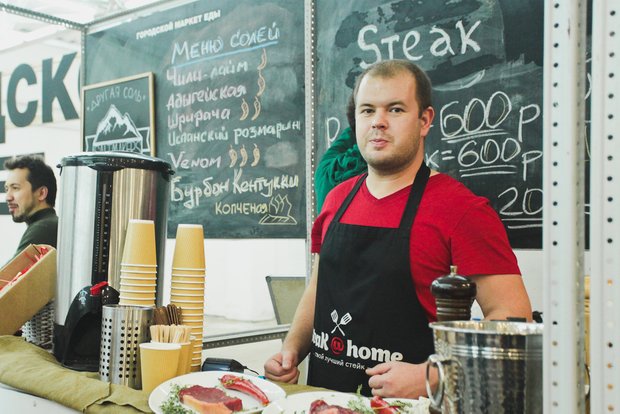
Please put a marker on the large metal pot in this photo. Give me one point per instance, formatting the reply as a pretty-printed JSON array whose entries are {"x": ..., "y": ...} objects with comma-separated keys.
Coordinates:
[{"x": 487, "y": 367}]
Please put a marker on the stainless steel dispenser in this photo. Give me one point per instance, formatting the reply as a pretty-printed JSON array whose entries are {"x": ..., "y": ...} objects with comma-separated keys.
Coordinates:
[{"x": 99, "y": 193}]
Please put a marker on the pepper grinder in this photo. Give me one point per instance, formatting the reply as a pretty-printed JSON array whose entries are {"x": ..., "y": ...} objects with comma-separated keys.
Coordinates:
[{"x": 454, "y": 294}]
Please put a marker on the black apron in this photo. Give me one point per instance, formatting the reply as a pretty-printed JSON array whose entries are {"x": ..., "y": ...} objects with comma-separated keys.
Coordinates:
[{"x": 367, "y": 310}]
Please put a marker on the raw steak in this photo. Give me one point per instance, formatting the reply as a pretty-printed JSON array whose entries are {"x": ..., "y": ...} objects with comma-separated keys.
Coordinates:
[
  {"x": 207, "y": 400},
  {"x": 320, "y": 406}
]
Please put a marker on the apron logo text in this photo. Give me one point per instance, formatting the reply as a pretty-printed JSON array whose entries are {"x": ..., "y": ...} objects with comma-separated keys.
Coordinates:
[{"x": 337, "y": 346}]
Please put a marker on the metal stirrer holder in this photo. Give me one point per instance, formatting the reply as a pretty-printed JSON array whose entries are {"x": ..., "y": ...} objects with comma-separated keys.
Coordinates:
[{"x": 123, "y": 329}]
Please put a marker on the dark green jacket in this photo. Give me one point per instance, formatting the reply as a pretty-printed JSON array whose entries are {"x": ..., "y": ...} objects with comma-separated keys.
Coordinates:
[
  {"x": 42, "y": 229},
  {"x": 341, "y": 161}
]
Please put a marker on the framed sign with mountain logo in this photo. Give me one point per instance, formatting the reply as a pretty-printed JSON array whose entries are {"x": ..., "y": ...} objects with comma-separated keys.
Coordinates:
[{"x": 118, "y": 115}]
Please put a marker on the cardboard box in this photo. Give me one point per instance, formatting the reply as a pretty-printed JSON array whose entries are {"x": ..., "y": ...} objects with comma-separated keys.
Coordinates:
[{"x": 31, "y": 292}]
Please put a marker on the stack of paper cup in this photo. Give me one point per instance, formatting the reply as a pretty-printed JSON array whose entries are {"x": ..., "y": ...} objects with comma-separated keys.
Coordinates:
[
  {"x": 139, "y": 265},
  {"x": 188, "y": 283}
]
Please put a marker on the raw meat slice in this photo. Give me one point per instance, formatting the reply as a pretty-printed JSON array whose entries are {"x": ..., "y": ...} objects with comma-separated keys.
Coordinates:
[
  {"x": 320, "y": 406},
  {"x": 209, "y": 400}
]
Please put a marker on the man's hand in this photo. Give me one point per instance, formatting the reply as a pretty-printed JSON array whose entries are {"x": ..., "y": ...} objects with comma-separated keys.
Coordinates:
[
  {"x": 282, "y": 367},
  {"x": 400, "y": 379}
]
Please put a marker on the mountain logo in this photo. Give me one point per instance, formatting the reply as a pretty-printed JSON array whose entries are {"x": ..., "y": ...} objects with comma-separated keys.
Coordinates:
[{"x": 118, "y": 132}]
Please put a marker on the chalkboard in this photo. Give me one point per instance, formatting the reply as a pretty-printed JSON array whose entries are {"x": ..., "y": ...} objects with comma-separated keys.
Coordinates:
[
  {"x": 229, "y": 94},
  {"x": 118, "y": 115},
  {"x": 485, "y": 61}
]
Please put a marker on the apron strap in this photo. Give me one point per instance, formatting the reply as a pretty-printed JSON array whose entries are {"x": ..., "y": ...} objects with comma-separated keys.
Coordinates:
[
  {"x": 415, "y": 196},
  {"x": 347, "y": 201}
]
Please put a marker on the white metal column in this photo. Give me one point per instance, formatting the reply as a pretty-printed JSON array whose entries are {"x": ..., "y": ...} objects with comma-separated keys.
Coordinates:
[
  {"x": 605, "y": 209},
  {"x": 563, "y": 248}
]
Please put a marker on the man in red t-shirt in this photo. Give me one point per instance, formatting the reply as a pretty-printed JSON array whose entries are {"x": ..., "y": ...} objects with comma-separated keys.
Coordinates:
[{"x": 383, "y": 238}]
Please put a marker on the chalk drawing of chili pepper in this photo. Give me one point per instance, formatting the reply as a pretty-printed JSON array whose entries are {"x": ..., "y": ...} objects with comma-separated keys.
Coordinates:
[
  {"x": 233, "y": 157},
  {"x": 263, "y": 60},
  {"x": 257, "y": 108},
  {"x": 245, "y": 109},
  {"x": 256, "y": 154},
  {"x": 244, "y": 156},
  {"x": 261, "y": 84}
]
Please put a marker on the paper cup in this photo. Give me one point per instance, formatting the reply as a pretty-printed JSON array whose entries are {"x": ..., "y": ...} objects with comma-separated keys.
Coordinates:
[
  {"x": 188, "y": 273},
  {"x": 137, "y": 301},
  {"x": 197, "y": 332},
  {"x": 133, "y": 284},
  {"x": 189, "y": 247},
  {"x": 199, "y": 280},
  {"x": 138, "y": 267},
  {"x": 139, "y": 273},
  {"x": 189, "y": 270},
  {"x": 188, "y": 289},
  {"x": 138, "y": 281},
  {"x": 139, "y": 247},
  {"x": 177, "y": 298},
  {"x": 183, "y": 286},
  {"x": 192, "y": 312},
  {"x": 189, "y": 281},
  {"x": 158, "y": 363},
  {"x": 137, "y": 294},
  {"x": 193, "y": 320},
  {"x": 185, "y": 359},
  {"x": 198, "y": 291},
  {"x": 180, "y": 291},
  {"x": 188, "y": 302},
  {"x": 183, "y": 296},
  {"x": 193, "y": 308},
  {"x": 193, "y": 315}
]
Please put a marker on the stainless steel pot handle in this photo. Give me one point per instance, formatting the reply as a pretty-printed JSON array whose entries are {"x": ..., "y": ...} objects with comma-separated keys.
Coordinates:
[{"x": 436, "y": 398}]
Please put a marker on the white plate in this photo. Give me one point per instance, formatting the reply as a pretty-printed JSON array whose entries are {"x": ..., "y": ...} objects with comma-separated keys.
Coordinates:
[
  {"x": 212, "y": 379},
  {"x": 300, "y": 403}
]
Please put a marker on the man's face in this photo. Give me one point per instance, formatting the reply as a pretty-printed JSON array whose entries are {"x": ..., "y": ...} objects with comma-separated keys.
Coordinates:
[
  {"x": 388, "y": 124},
  {"x": 22, "y": 201}
]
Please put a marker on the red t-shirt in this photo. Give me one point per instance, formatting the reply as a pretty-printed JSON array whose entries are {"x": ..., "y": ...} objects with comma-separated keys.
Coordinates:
[{"x": 453, "y": 227}]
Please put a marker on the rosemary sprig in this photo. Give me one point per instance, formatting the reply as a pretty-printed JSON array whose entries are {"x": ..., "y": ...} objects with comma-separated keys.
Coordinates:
[{"x": 173, "y": 404}]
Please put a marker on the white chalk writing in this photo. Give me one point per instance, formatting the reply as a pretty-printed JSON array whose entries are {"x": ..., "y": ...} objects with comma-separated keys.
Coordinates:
[
  {"x": 441, "y": 46},
  {"x": 274, "y": 130}
]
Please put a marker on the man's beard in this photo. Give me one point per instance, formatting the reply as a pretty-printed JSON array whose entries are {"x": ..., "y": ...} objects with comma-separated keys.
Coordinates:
[
  {"x": 19, "y": 218},
  {"x": 392, "y": 163}
]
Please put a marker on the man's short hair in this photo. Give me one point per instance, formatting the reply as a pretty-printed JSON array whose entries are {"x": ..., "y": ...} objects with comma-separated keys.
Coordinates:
[
  {"x": 39, "y": 174},
  {"x": 351, "y": 112},
  {"x": 391, "y": 68}
]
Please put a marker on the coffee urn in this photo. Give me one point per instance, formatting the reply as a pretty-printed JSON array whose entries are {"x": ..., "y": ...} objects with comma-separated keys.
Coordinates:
[{"x": 99, "y": 193}]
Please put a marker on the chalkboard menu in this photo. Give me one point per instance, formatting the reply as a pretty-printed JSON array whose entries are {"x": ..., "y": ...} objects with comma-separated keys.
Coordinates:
[
  {"x": 229, "y": 105},
  {"x": 485, "y": 61}
]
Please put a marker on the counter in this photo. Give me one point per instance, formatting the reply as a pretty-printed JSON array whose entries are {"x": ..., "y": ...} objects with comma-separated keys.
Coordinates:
[{"x": 31, "y": 380}]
